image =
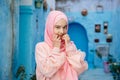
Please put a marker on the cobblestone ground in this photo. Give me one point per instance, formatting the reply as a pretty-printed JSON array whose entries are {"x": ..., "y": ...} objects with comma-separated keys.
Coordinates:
[{"x": 95, "y": 74}]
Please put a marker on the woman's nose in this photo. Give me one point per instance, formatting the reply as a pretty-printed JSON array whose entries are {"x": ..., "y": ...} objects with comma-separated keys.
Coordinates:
[{"x": 61, "y": 31}]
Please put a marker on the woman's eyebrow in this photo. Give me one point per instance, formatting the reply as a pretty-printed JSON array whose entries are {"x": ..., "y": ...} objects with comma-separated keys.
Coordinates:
[
  {"x": 60, "y": 26},
  {"x": 57, "y": 26}
]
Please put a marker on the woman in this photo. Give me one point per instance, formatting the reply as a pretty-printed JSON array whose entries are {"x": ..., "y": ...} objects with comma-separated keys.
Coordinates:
[{"x": 57, "y": 58}]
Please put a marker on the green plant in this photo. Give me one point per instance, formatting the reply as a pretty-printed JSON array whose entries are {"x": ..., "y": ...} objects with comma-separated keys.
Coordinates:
[
  {"x": 111, "y": 59},
  {"x": 98, "y": 54},
  {"x": 115, "y": 70},
  {"x": 33, "y": 77},
  {"x": 21, "y": 73},
  {"x": 114, "y": 67}
]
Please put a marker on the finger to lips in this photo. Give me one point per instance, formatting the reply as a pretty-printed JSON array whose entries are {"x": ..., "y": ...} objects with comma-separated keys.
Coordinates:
[
  {"x": 58, "y": 37},
  {"x": 66, "y": 36}
]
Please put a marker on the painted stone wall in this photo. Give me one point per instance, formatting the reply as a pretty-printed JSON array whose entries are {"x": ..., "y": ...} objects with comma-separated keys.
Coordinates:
[
  {"x": 110, "y": 14},
  {"x": 9, "y": 32},
  {"x": 115, "y": 30}
]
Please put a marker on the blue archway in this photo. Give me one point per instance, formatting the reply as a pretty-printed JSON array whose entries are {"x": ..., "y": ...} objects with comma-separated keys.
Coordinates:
[{"x": 78, "y": 34}]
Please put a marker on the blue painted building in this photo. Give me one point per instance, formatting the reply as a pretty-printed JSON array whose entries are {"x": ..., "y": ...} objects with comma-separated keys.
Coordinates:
[
  {"x": 22, "y": 26},
  {"x": 9, "y": 31}
]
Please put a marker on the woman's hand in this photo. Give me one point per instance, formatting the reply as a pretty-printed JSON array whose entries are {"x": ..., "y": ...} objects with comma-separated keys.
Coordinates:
[
  {"x": 66, "y": 38},
  {"x": 56, "y": 41}
]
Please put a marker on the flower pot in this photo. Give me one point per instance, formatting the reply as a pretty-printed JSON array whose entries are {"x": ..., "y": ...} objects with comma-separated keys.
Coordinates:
[{"x": 106, "y": 67}]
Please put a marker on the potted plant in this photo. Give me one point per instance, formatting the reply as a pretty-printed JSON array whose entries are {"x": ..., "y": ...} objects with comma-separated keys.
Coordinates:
[
  {"x": 21, "y": 73},
  {"x": 115, "y": 70},
  {"x": 114, "y": 67}
]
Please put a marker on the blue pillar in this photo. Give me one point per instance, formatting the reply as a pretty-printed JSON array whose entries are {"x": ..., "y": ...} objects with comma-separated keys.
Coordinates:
[{"x": 26, "y": 39}]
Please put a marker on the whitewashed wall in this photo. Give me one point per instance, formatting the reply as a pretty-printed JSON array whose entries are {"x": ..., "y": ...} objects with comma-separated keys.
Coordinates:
[
  {"x": 26, "y": 2},
  {"x": 78, "y": 5}
]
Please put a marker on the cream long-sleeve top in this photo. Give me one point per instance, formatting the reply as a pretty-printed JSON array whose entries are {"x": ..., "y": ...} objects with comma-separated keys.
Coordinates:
[{"x": 53, "y": 64}]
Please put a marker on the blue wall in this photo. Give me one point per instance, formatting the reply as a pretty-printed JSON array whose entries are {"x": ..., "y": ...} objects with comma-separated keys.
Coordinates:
[
  {"x": 19, "y": 33},
  {"x": 9, "y": 31},
  {"x": 89, "y": 21},
  {"x": 115, "y": 30}
]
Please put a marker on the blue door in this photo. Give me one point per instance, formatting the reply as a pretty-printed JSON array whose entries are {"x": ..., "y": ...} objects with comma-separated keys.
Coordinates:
[{"x": 78, "y": 34}]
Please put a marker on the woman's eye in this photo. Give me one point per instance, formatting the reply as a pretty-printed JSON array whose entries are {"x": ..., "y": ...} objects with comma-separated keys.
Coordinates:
[
  {"x": 57, "y": 27},
  {"x": 65, "y": 27}
]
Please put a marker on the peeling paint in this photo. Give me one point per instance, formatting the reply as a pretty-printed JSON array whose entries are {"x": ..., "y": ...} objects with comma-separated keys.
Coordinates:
[{"x": 7, "y": 38}]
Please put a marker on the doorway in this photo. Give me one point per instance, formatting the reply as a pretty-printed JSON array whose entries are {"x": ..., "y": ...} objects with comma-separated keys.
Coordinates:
[{"x": 78, "y": 34}]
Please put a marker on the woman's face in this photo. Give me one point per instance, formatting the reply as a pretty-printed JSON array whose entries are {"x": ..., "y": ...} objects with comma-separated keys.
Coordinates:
[{"x": 60, "y": 27}]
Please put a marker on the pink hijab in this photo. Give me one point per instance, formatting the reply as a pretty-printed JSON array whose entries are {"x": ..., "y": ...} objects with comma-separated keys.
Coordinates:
[{"x": 53, "y": 17}]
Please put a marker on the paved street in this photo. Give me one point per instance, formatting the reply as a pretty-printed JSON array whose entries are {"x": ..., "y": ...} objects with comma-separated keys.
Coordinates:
[{"x": 96, "y": 74}]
